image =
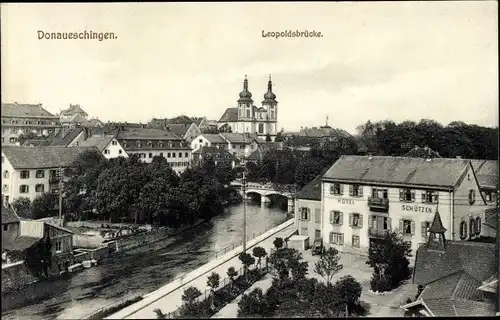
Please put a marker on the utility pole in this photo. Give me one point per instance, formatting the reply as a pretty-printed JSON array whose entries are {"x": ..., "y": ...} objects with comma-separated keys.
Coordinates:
[
  {"x": 60, "y": 197},
  {"x": 243, "y": 184}
]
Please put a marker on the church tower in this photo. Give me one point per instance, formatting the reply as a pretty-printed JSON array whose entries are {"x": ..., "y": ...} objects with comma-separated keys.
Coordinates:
[
  {"x": 437, "y": 239},
  {"x": 271, "y": 105},
  {"x": 245, "y": 103}
]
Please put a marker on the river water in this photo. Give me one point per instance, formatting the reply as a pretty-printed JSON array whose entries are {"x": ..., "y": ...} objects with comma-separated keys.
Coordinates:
[{"x": 139, "y": 271}]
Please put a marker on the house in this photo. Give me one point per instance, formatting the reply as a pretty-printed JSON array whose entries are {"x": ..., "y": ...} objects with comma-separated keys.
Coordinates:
[
  {"x": 30, "y": 232},
  {"x": 425, "y": 152},
  {"x": 74, "y": 116},
  {"x": 258, "y": 154},
  {"x": 186, "y": 131},
  {"x": 30, "y": 172},
  {"x": 207, "y": 125},
  {"x": 247, "y": 118},
  {"x": 209, "y": 140},
  {"x": 218, "y": 154},
  {"x": 487, "y": 176},
  {"x": 10, "y": 223},
  {"x": 365, "y": 196},
  {"x": 308, "y": 210},
  {"x": 20, "y": 119},
  {"x": 490, "y": 227},
  {"x": 455, "y": 278},
  {"x": 67, "y": 136},
  {"x": 107, "y": 145},
  {"x": 147, "y": 143},
  {"x": 241, "y": 145},
  {"x": 94, "y": 122}
]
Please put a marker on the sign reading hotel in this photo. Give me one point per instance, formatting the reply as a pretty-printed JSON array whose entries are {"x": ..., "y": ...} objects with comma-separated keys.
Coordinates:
[
  {"x": 416, "y": 208},
  {"x": 346, "y": 201}
]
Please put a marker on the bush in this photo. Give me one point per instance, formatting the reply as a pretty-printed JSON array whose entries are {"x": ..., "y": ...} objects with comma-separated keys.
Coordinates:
[
  {"x": 278, "y": 243},
  {"x": 253, "y": 304},
  {"x": 381, "y": 283}
]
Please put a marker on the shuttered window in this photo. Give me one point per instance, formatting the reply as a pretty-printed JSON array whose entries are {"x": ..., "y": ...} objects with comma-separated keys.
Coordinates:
[
  {"x": 407, "y": 227},
  {"x": 317, "y": 215},
  {"x": 337, "y": 238},
  {"x": 336, "y": 218},
  {"x": 355, "y": 220},
  {"x": 425, "y": 228},
  {"x": 406, "y": 195}
]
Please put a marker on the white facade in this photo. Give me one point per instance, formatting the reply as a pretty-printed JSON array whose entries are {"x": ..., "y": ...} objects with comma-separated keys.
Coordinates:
[
  {"x": 202, "y": 141},
  {"x": 27, "y": 183},
  {"x": 351, "y": 214},
  {"x": 114, "y": 150},
  {"x": 179, "y": 159}
]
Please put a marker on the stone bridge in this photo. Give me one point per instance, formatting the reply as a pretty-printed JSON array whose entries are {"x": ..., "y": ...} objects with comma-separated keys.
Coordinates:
[{"x": 264, "y": 190}]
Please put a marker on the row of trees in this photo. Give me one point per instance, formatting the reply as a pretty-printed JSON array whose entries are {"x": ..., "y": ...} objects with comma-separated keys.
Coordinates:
[
  {"x": 455, "y": 139},
  {"x": 126, "y": 189}
]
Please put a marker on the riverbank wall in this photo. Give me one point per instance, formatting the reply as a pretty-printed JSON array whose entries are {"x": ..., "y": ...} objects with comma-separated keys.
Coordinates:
[
  {"x": 151, "y": 300},
  {"x": 16, "y": 276}
]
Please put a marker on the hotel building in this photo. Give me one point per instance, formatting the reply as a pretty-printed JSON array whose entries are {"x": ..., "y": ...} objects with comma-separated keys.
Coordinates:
[{"x": 365, "y": 196}]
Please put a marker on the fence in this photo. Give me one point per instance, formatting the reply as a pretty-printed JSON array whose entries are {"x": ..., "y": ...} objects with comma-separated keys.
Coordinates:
[{"x": 224, "y": 282}]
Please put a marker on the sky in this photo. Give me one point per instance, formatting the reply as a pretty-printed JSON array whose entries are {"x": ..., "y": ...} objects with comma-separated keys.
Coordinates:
[{"x": 376, "y": 60}]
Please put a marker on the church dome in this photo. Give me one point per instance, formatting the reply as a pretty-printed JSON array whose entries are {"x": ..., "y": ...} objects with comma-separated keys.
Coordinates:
[
  {"x": 245, "y": 95},
  {"x": 269, "y": 96}
]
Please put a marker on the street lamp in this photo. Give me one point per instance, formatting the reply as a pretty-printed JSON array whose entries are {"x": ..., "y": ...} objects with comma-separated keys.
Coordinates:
[{"x": 244, "y": 186}]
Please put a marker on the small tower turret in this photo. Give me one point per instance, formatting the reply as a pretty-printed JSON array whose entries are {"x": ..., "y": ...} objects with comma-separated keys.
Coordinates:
[{"x": 437, "y": 240}]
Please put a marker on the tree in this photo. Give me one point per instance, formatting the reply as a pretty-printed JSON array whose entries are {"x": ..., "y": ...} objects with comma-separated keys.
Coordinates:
[
  {"x": 43, "y": 205},
  {"x": 326, "y": 303},
  {"x": 213, "y": 281},
  {"x": 307, "y": 169},
  {"x": 288, "y": 262},
  {"x": 22, "y": 206},
  {"x": 190, "y": 295},
  {"x": 232, "y": 273},
  {"x": 38, "y": 257},
  {"x": 253, "y": 304},
  {"x": 259, "y": 253},
  {"x": 278, "y": 243},
  {"x": 247, "y": 260},
  {"x": 224, "y": 172},
  {"x": 348, "y": 291},
  {"x": 328, "y": 264},
  {"x": 389, "y": 257},
  {"x": 268, "y": 138}
]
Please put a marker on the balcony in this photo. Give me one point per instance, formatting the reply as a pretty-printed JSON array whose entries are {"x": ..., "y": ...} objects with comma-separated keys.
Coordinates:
[
  {"x": 377, "y": 233},
  {"x": 379, "y": 204}
]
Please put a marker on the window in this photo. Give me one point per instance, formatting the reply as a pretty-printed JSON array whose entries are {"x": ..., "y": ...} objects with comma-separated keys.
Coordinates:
[
  {"x": 114, "y": 143},
  {"x": 356, "y": 190},
  {"x": 5, "y": 188},
  {"x": 150, "y": 155},
  {"x": 380, "y": 193},
  {"x": 488, "y": 196},
  {"x": 200, "y": 141},
  {"x": 39, "y": 188},
  {"x": 242, "y": 146},
  {"x": 5, "y": 227},
  {"x": 430, "y": 196},
  {"x": 161, "y": 154},
  {"x": 12, "y": 140},
  {"x": 355, "y": 241},
  {"x": 355, "y": 220},
  {"x": 478, "y": 226},
  {"x": 3, "y": 159},
  {"x": 406, "y": 195},
  {"x": 317, "y": 215},
  {"x": 173, "y": 154},
  {"x": 468, "y": 176},
  {"x": 248, "y": 113},
  {"x": 463, "y": 230},
  {"x": 336, "y": 217},
  {"x": 317, "y": 233},
  {"x": 106, "y": 151},
  {"x": 25, "y": 174},
  {"x": 337, "y": 238},
  {"x": 472, "y": 196},
  {"x": 425, "y": 229},
  {"x": 120, "y": 151},
  {"x": 58, "y": 246},
  {"x": 407, "y": 227},
  {"x": 23, "y": 188},
  {"x": 168, "y": 154},
  {"x": 150, "y": 143},
  {"x": 304, "y": 213},
  {"x": 336, "y": 189},
  {"x": 186, "y": 154},
  {"x": 180, "y": 154},
  {"x": 261, "y": 128},
  {"x": 6, "y": 174}
]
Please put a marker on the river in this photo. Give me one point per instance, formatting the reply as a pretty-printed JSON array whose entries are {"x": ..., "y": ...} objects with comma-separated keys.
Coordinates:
[{"x": 138, "y": 271}]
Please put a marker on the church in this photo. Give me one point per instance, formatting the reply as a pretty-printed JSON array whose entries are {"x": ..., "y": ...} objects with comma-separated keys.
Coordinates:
[{"x": 247, "y": 118}]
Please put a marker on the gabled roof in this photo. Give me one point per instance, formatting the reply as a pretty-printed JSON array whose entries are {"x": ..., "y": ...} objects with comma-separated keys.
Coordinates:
[
  {"x": 237, "y": 137},
  {"x": 311, "y": 191},
  {"x": 424, "y": 152},
  {"x": 486, "y": 172},
  {"x": 258, "y": 154},
  {"x": 475, "y": 258},
  {"x": 179, "y": 129},
  {"x": 63, "y": 138},
  {"x": 58, "y": 227},
  {"x": 230, "y": 115},
  {"x": 94, "y": 122},
  {"x": 490, "y": 217},
  {"x": 9, "y": 216},
  {"x": 19, "y": 244},
  {"x": 398, "y": 170},
  {"x": 78, "y": 118},
  {"x": 214, "y": 138},
  {"x": 36, "y": 143},
  {"x": 74, "y": 108},
  {"x": 216, "y": 153},
  {"x": 42, "y": 157},
  {"x": 129, "y": 133},
  {"x": 100, "y": 142},
  {"x": 25, "y": 110}
]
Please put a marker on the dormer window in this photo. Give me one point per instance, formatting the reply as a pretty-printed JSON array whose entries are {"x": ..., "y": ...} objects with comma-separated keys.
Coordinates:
[
  {"x": 150, "y": 144},
  {"x": 160, "y": 144},
  {"x": 170, "y": 144},
  {"x": 138, "y": 143}
]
